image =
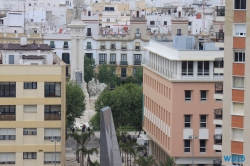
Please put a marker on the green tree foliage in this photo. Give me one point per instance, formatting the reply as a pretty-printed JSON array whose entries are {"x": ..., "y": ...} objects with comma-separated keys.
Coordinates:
[
  {"x": 107, "y": 75},
  {"x": 168, "y": 162},
  {"x": 75, "y": 102},
  {"x": 89, "y": 66},
  {"x": 126, "y": 104},
  {"x": 130, "y": 79},
  {"x": 145, "y": 161},
  {"x": 139, "y": 75}
]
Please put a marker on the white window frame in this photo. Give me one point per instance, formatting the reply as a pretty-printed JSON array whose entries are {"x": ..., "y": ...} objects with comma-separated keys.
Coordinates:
[
  {"x": 203, "y": 122},
  {"x": 241, "y": 32},
  {"x": 186, "y": 122},
  {"x": 186, "y": 147},
  {"x": 205, "y": 147},
  {"x": 188, "y": 98},
  {"x": 201, "y": 98},
  {"x": 238, "y": 56},
  {"x": 29, "y": 131},
  {"x": 240, "y": 81},
  {"x": 187, "y": 73},
  {"x": 203, "y": 68},
  {"x": 240, "y": 9}
]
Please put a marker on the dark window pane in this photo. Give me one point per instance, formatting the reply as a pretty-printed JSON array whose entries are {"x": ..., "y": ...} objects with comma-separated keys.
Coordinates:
[
  {"x": 206, "y": 67},
  {"x": 187, "y": 143},
  {"x": 203, "y": 118},
  {"x": 240, "y": 56},
  {"x": 187, "y": 94},
  {"x": 236, "y": 58},
  {"x": 243, "y": 59},
  {"x": 184, "y": 67},
  {"x": 190, "y": 67},
  {"x": 203, "y": 94},
  {"x": 243, "y": 4},
  {"x": 200, "y": 67},
  {"x": 237, "y": 4}
]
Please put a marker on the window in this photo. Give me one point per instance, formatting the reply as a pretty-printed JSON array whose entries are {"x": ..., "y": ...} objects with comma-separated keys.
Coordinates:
[
  {"x": 123, "y": 72},
  {"x": 29, "y": 155},
  {"x": 11, "y": 59},
  {"x": 187, "y": 95},
  {"x": 240, "y": 4},
  {"x": 7, "y": 89},
  {"x": 112, "y": 46},
  {"x": 109, "y": 9},
  {"x": 238, "y": 108},
  {"x": 49, "y": 158},
  {"x": 52, "y": 44},
  {"x": 237, "y": 134},
  {"x": 239, "y": 56},
  {"x": 134, "y": 71},
  {"x": 187, "y": 123},
  {"x": 7, "y": 158},
  {"x": 102, "y": 58},
  {"x": 190, "y": 23},
  {"x": 123, "y": 57},
  {"x": 52, "y": 109},
  {"x": 30, "y": 85},
  {"x": 202, "y": 145},
  {"x": 89, "y": 45},
  {"x": 7, "y": 134},
  {"x": 108, "y": 20},
  {"x": 203, "y": 95},
  {"x": 203, "y": 121},
  {"x": 186, "y": 146},
  {"x": 203, "y": 67},
  {"x": 238, "y": 82},
  {"x": 66, "y": 58},
  {"x": 240, "y": 30},
  {"x": 112, "y": 57},
  {"x": 65, "y": 44},
  {"x": 29, "y": 131},
  {"x": 137, "y": 31},
  {"x": 165, "y": 23},
  {"x": 217, "y": 151},
  {"x": 187, "y": 68},
  {"x": 52, "y": 89},
  {"x": 178, "y": 31},
  {"x": 7, "y": 110},
  {"x": 52, "y": 134},
  {"x": 219, "y": 64},
  {"x": 137, "y": 59},
  {"x": 218, "y": 126},
  {"x": 137, "y": 45}
]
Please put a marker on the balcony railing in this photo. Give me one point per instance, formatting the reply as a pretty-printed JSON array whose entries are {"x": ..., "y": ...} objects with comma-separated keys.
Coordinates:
[
  {"x": 218, "y": 114},
  {"x": 220, "y": 10},
  {"x": 103, "y": 47},
  {"x": 65, "y": 46},
  {"x": 7, "y": 117},
  {"x": 219, "y": 36},
  {"x": 102, "y": 62},
  {"x": 112, "y": 47},
  {"x": 89, "y": 46},
  {"x": 137, "y": 47},
  {"x": 52, "y": 93},
  {"x": 218, "y": 139},
  {"x": 8, "y": 93},
  {"x": 88, "y": 34},
  {"x": 124, "y": 47},
  {"x": 137, "y": 35},
  {"x": 123, "y": 75},
  {"x": 112, "y": 62},
  {"x": 52, "y": 162},
  {"x": 52, "y": 45},
  {"x": 218, "y": 88},
  {"x": 52, "y": 116},
  {"x": 137, "y": 62},
  {"x": 123, "y": 62}
]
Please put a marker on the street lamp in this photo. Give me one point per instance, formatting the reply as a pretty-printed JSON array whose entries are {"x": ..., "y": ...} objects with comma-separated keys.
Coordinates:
[
  {"x": 193, "y": 137},
  {"x": 55, "y": 140}
]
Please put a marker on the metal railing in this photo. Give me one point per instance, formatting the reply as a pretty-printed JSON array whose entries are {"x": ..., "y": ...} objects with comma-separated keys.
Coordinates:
[
  {"x": 102, "y": 62},
  {"x": 137, "y": 47},
  {"x": 218, "y": 114},
  {"x": 123, "y": 62},
  {"x": 88, "y": 46},
  {"x": 219, "y": 36},
  {"x": 7, "y": 117},
  {"x": 65, "y": 46},
  {"x": 52, "y": 116},
  {"x": 218, "y": 139},
  {"x": 8, "y": 93},
  {"x": 102, "y": 47},
  {"x": 88, "y": 34},
  {"x": 218, "y": 88},
  {"x": 220, "y": 10},
  {"x": 52, "y": 93},
  {"x": 137, "y": 35},
  {"x": 137, "y": 62},
  {"x": 112, "y": 62},
  {"x": 124, "y": 47},
  {"x": 112, "y": 47}
]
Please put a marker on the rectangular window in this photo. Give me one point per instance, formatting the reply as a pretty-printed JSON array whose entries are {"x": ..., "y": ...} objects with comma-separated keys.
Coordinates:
[
  {"x": 11, "y": 59},
  {"x": 202, "y": 145},
  {"x": 240, "y": 4},
  {"x": 52, "y": 44},
  {"x": 30, "y": 85},
  {"x": 203, "y": 121},
  {"x": 203, "y": 95},
  {"x": 203, "y": 67},
  {"x": 7, "y": 89},
  {"x": 108, "y": 20},
  {"x": 7, "y": 134},
  {"x": 7, "y": 110},
  {"x": 66, "y": 58},
  {"x": 186, "y": 146},
  {"x": 30, "y": 108},
  {"x": 187, "y": 68},
  {"x": 237, "y": 134},
  {"x": 29, "y": 155},
  {"x": 89, "y": 45},
  {"x": 7, "y": 158},
  {"x": 239, "y": 56},
  {"x": 187, "y": 95},
  {"x": 52, "y": 133},
  {"x": 123, "y": 72},
  {"x": 240, "y": 30},
  {"x": 102, "y": 58},
  {"x": 238, "y": 82},
  {"x": 49, "y": 158},
  {"x": 29, "y": 131},
  {"x": 112, "y": 57},
  {"x": 123, "y": 57},
  {"x": 165, "y": 23},
  {"x": 187, "y": 121},
  {"x": 218, "y": 126},
  {"x": 238, "y": 108},
  {"x": 65, "y": 44}
]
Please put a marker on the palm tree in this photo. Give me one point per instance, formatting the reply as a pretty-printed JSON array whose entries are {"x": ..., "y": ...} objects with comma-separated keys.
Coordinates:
[
  {"x": 145, "y": 161},
  {"x": 168, "y": 162},
  {"x": 90, "y": 152},
  {"x": 76, "y": 137}
]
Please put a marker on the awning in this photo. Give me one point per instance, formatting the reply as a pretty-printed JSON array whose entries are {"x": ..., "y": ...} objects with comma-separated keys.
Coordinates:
[
  {"x": 197, "y": 160},
  {"x": 145, "y": 137}
]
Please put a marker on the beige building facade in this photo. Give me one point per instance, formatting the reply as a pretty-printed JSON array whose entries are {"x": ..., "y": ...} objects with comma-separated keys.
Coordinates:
[{"x": 32, "y": 106}]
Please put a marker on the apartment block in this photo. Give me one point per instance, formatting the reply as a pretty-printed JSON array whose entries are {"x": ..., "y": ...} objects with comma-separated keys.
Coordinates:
[
  {"x": 178, "y": 88},
  {"x": 32, "y": 105},
  {"x": 236, "y": 80}
]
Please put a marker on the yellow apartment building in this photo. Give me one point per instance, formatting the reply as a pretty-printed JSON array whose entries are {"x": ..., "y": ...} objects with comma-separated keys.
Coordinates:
[{"x": 32, "y": 105}]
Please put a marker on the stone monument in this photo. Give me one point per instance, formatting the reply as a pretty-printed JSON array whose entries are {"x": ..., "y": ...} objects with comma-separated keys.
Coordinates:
[{"x": 109, "y": 149}]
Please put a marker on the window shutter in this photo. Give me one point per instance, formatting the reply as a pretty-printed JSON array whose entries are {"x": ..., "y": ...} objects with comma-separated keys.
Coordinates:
[
  {"x": 29, "y": 108},
  {"x": 48, "y": 132},
  {"x": 57, "y": 132}
]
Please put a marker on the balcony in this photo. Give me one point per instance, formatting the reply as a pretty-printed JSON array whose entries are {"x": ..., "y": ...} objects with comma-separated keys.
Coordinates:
[
  {"x": 8, "y": 93},
  {"x": 102, "y": 47},
  {"x": 124, "y": 47},
  {"x": 125, "y": 63},
  {"x": 218, "y": 91},
  {"x": 137, "y": 62},
  {"x": 88, "y": 46},
  {"x": 88, "y": 34},
  {"x": 218, "y": 139},
  {"x": 112, "y": 62},
  {"x": 65, "y": 46},
  {"x": 219, "y": 36},
  {"x": 7, "y": 117},
  {"x": 218, "y": 114},
  {"x": 52, "y": 93},
  {"x": 137, "y": 48},
  {"x": 137, "y": 35},
  {"x": 52, "y": 116},
  {"x": 102, "y": 62},
  {"x": 112, "y": 47},
  {"x": 220, "y": 10}
]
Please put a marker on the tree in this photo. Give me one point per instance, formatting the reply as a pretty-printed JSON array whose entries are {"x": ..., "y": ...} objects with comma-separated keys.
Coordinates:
[
  {"x": 139, "y": 75},
  {"x": 168, "y": 162},
  {"x": 130, "y": 79},
  {"x": 90, "y": 152},
  {"x": 145, "y": 161},
  {"x": 89, "y": 66},
  {"x": 75, "y": 102},
  {"x": 125, "y": 102}
]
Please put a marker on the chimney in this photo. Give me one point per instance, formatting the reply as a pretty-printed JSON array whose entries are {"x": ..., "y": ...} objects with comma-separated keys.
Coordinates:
[{"x": 23, "y": 40}]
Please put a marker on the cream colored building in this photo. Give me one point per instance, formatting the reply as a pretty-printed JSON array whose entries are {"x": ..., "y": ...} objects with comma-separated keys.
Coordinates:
[{"x": 32, "y": 105}]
